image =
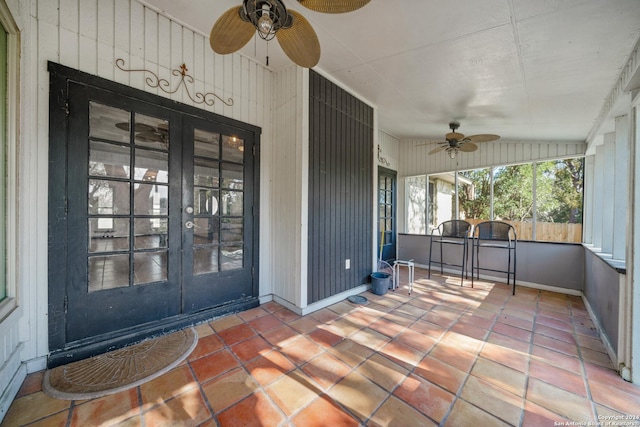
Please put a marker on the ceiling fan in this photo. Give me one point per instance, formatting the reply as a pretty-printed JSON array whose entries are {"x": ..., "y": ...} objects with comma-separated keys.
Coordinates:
[
  {"x": 455, "y": 141},
  {"x": 271, "y": 19}
]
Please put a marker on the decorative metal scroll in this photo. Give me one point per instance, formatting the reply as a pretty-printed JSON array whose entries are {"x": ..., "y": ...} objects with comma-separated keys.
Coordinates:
[
  {"x": 156, "y": 82},
  {"x": 381, "y": 159}
]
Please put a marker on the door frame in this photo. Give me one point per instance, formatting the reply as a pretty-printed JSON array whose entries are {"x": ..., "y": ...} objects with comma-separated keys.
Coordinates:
[{"x": 60, "y": 350}]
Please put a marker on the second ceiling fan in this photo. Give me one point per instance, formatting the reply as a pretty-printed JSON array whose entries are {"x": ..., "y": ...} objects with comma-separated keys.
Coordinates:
[
  {"x": 271, "y": 19},
  {"x": 455, "y": 141}
]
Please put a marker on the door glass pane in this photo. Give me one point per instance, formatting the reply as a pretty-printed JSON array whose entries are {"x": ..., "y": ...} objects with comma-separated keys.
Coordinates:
[
  {"x": 151, "y": 132},
  {"x": 206, "y": 173},
  {"x": 108, "y": 234},
  {"x": 205, "y": 231},
  {"x": 151, "y": 199},
  {"x": 232, "y": 149},
  {"x": 232, "y": 230},
  {"x": 232, "y": 176},
  {"x": 110, "y": 160},
  {"x": 205, "y": 260},
  {"x": 108, "y": 272},
  {"x": 231, "y": 257},
  {"x": 205, "y": 201},
  {"x": 150, "y": 233},
  {"x": 206, "y": 144},
  {"x": 109, "y": 123},
  {"x": 149, "y": 267},
  {"x": 218, "y": 242},
  {"x": 151, "y": 166},
  {"x": 232, "y": 203},
  {"x": 108, "y": 197}
]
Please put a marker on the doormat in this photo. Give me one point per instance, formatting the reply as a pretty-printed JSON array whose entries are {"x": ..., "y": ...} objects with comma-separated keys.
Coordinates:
[{"x": 119, "y": 369}]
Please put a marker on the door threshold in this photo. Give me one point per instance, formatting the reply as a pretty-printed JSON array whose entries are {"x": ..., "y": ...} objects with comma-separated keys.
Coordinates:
[{"x": 93, "y": 346}]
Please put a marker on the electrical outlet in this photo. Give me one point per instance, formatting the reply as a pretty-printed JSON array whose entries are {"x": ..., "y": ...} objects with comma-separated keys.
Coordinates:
[{"x": 347, "y": 264}]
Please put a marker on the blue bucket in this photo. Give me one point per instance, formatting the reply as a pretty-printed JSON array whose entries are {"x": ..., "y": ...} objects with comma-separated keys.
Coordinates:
[{"x": 380, "y": 282}]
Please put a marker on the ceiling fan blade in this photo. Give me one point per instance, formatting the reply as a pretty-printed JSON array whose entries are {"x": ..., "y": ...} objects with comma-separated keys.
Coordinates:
[
  {"x": 300, "y": 41},
  {"x": 230, "y": 32},
  {"x": 333, "y": 6},
  {"x": 468, "y": 147},
  {"x": 438, "y": 149},
  {"x": 455, "y": 136},
  {"x": 484, "y": 137}
]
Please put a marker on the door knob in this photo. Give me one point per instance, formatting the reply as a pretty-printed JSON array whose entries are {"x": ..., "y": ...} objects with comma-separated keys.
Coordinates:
[{"x": 189, "y": 224}]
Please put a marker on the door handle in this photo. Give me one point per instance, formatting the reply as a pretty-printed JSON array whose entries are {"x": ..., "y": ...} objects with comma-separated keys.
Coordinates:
[{"x": 189, "y": 224}]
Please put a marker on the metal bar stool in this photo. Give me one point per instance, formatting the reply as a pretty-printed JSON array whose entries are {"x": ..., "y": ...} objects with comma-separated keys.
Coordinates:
[
  {"x": 496, "y": 235},
  {"x": 446, "y": 233}
]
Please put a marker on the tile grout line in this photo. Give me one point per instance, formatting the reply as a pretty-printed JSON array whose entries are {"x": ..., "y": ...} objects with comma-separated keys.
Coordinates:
[
  {"x": 458, "y": 394},
  {"x": 214, "y": 418},
  {"x": 530, "y": 357},
  {"x": 585, "y": 376}
]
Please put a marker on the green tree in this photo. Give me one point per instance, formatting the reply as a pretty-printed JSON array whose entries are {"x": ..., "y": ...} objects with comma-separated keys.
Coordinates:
[
  {"x": 475, "y": 200},
  {"x": 559, "y": 191},
  {"x": 562, "y": 199},
  {"x": 513, "y": 192}
]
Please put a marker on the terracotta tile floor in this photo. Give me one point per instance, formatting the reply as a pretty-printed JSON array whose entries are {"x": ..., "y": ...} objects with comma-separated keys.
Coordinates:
[{"x": 446, "y": 355}]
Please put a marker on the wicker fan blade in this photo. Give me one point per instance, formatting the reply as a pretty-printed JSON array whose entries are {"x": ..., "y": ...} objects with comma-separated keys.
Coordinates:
[
  {"x": 438, "y": 149},
  {"x": 230, "y": 32},
  {"x": 468, "y": 147},
  {"x": 455, "y": 136},
  {"x": 333, "y": 6},
  {"x": 485, "y": 137},
  {"x": 300, "y": 41}
]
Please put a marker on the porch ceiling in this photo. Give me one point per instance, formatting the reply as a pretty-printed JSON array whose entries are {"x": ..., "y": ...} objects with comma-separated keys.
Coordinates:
[{"x": 525, "y": 70}]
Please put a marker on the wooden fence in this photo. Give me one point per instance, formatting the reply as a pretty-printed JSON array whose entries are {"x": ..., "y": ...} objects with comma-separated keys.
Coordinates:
[{"x": 545, "y": 231}]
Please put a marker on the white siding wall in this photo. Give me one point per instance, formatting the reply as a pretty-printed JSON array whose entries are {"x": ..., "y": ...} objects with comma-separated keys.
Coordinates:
[
  {"x": 388, "y": 155},
  {"x": 415, "y": 160},
  {"x": 289, "y": 207},
  {"x": 90, "y": 35}
]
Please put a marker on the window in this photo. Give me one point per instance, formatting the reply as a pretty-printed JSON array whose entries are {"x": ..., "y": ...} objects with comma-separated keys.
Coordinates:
[
  {"x": 542, "y": 200},
  {"x": 416, "y": 204},
  {"x": 559, "y": 200}
]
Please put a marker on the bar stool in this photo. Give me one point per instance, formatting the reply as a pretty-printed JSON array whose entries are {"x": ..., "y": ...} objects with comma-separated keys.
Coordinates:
[
  {"x": 496, "y": 235},
  {"x": 447, "y": 231}
]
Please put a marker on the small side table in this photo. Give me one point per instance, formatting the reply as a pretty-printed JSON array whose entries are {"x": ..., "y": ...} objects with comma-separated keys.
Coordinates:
[{"x": 396, "y": 273}]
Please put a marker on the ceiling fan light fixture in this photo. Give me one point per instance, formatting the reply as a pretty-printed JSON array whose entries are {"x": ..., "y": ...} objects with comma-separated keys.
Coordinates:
[
  {"x": 452, "y": 152},
  {"x": 267, "y": 16},
  {"x": 265, "y": 24}
]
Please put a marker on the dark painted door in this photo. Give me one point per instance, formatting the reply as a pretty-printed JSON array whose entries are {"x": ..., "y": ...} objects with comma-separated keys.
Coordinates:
[
  {"x": 386, "y": 214},
  {"x": 159, "y": 213},
  {"x": 218, "y": 231}
]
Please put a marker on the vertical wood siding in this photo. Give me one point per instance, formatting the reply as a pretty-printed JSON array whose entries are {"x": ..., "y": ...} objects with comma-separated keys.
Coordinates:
[
  {"x": 340, "y": 189},
  {"x": 415, "y": 160},
  {"x": 389, "y": 151},
  {"x": 287, "y": 182}
]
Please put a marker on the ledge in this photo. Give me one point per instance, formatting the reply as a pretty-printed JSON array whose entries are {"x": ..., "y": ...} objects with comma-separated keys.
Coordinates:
[{"x": 618, "y": 265}]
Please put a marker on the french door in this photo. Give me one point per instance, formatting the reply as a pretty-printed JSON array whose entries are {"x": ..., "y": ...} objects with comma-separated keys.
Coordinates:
[
  {"x": 158, "y": 220},
  {"x": 386, "y": 214}
]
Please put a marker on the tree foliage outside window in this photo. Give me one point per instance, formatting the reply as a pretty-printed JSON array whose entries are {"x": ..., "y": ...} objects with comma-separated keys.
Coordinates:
[
  {"x": 475, "y": 200},
  {"x": 513, "y": 193},
  {"x": 563, "y": 181},
  {"x": 557, "y": 199},
  {"x": 416, "y": 204}
]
